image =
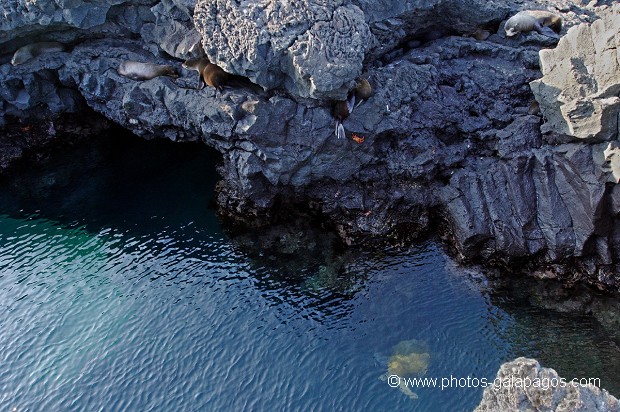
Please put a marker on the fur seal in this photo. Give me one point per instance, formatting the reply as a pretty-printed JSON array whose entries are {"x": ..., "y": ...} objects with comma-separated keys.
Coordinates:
[
  {"x": 30, "y": 51},
  {"x": 544, "y": 22},
  {"x": 341, "y": 111},
  {"x": 362, "y": 91},
  {"x": 145, "y": 71},
  {"x": 343, "y": 108},
  {"x": 480, "y": 34},
  {"x": 209, "y": 73}
]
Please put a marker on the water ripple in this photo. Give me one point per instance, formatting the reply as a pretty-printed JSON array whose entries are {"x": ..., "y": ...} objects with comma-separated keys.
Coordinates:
[{"x": 149, "y": 307}]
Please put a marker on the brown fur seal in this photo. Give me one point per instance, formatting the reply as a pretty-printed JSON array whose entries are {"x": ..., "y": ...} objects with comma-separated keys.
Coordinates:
[
  {"x": 209, "y": 73},
  {"x": 544, "y": 22},
  {"x": 480, "y": 34},
  {"x": 30, "y": 51},
  {"x": 362, "y": 91},
  {"x": 341, "y": 111},
  {"x": 145, "y": 71},
  {"x": 343, "y": 108}
]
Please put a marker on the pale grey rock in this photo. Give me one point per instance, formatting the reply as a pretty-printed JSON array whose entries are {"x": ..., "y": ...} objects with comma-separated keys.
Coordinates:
[
  {"x": 172, "y": 29},
  {"x": 523, "y": 385},
  {"x": 579, "y": 93},
  {"x": 312, "y": 48},
  {"x": 317, "y": 48},
  {"x": 612, "y": 156}
]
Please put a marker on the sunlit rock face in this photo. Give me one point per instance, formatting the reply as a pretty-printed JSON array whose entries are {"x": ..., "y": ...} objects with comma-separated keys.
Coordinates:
[
  {"x": 317, "y": 48},
  {"x": 523, "y": 385},
  {"x": 312, "y": 48},
  {"x": 579, "y": 92}
]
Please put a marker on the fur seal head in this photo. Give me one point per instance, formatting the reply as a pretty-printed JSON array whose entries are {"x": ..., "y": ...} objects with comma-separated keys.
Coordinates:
[
  {"x": 145, "y": 71},
  {"x": 30, "y": 51},
  {"x": 209, "y": 73},
  {"x": 362, "y": 90},
  {"x": 542, "y": 21},
  {"x": 480, "y": 34}
]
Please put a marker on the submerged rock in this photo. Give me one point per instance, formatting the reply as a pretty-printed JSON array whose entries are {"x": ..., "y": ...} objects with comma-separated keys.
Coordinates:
[{"x": 523, "y": 385}]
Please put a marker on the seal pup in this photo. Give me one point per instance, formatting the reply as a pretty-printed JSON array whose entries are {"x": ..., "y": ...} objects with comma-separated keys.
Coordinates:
[
  {"x": 362, "y": 91},
  {"x": 479, "y": 34},
  {"x": 30, "y": 51},
  {"x": 145, "y": 71},
  {"x": 341, "y": 111},
  {"x": 208, "y": 73},
  {"x": 343, "y": 108},
  {"x": 544, "y": 22}
]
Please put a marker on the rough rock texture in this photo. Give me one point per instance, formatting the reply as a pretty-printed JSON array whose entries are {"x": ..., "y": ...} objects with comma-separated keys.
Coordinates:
[
  {"x": 312, "y": 48},
  {"x": 545, "y": 396},
  {"x": 579, "y": 93},
  {"x": 25, "y": 143},
  {"x": 447, "y": 134},
  {"x": 317, "y": 48}
]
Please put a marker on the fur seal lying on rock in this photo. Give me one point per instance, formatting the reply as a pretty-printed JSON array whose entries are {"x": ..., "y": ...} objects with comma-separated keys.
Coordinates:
[
  {"x": 145, "y": 71},
  {"x": 209, "y": 73},
  {"x": 544, "y": 22},
  {"x": 30, "y": 51},
  {"x": 343, "y": 108}
]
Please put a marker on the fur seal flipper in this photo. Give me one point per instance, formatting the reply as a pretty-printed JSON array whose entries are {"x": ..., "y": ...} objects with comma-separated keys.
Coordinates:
[
  {"x": 145, "y": 71},
  {"x": 341, "y": 111},
  {"x": 340, "y": 130},
  {"x": 544, "y": 22},
  {"x": 30, "y": 51}
]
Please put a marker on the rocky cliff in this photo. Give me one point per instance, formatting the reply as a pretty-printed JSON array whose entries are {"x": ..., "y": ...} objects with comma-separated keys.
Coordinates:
[
  {"x": 523, "y": 385},
  {"x": 450, "y": 135}
]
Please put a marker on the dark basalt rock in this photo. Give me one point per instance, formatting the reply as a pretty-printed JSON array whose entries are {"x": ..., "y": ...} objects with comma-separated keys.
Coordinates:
[{"x": 447, "y": 138}]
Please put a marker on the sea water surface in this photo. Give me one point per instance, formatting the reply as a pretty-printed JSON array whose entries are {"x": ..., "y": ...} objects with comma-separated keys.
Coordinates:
[{"x": 119, "y": 291}]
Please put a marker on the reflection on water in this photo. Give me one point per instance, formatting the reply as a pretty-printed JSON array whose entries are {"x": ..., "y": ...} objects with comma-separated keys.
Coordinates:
[
  {"x": 119, "y": 291},
  {"x": 574, "y": 330},
  {"x": 303, "y": 264}
]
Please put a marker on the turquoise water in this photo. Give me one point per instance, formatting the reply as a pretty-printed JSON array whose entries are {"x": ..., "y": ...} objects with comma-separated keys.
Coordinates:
[{"x": 120, "y": 291}]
